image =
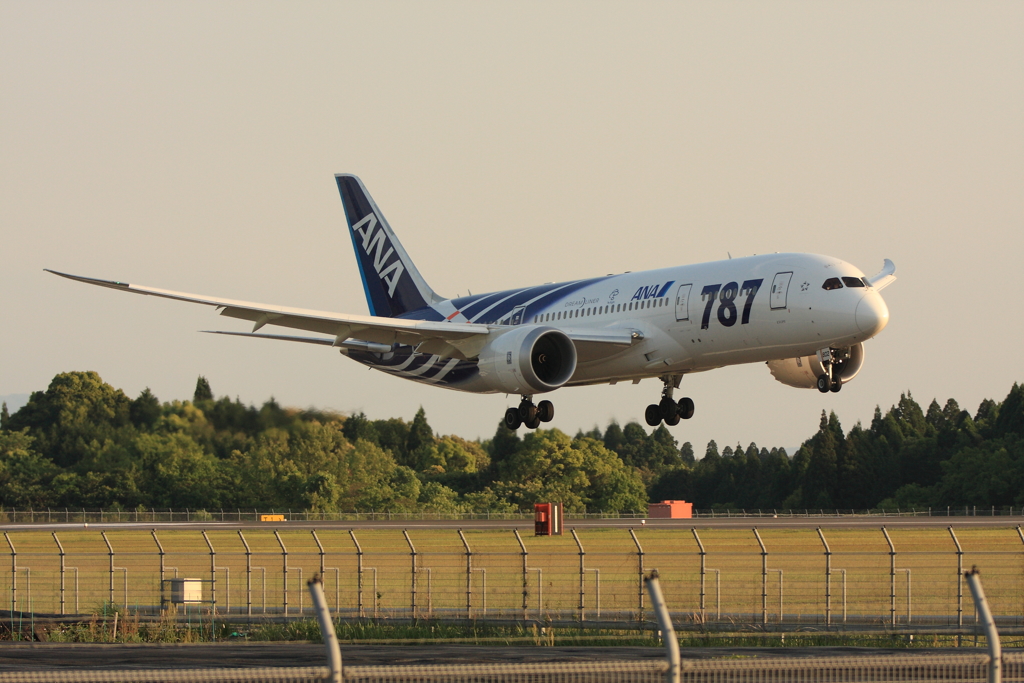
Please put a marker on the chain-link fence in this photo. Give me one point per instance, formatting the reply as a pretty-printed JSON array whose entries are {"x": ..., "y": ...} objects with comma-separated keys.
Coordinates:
[
  {"x": 166, "y": 516},
  {"x": 718, "y": 578}
]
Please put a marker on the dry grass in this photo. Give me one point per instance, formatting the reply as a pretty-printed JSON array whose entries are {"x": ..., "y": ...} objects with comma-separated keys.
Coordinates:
[{"x": 497, "y": 559}]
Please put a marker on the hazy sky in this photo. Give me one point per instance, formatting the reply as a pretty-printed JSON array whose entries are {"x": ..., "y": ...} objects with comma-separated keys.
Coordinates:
[{"x": 192, "y": 146}]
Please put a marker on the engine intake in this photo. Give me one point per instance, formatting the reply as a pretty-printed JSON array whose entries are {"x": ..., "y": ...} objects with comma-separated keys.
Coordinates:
[
  {"x": 803, "y": 372},
  {"x": 528, "y": 360}
]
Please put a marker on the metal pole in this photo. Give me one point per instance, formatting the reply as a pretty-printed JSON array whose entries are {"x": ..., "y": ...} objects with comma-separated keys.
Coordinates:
[
  {"x": 668, "y": 633},
  {"x": 248, "y": 575},
  {"x": 959, "y": 579},
  {"x": 828, "y": 579},
  {"x": 583, "y": 569},
  {"x": 526, "y": 592},
  {"x": 469, "y": 576},
  {"x": 284, "y": 559},
  {"x": 892, "y": 577},
  {"x": 14, "y": 578},
  {"x": 995, "y": 648},
  {"x": 213, "y": 572},
  {"x": 359, "y": 572},
  {"x": 60, "y": 548},
  {"x": 321, "y": 547},
  {"x": 640, "y": 574},
  {"x": 412, "y": 552},
  {"x": 764, "y": 578},
  {"x": 110, "y": 555},
  {"x": 703, "y": 572},
  {"x": 323, "y": 615}
]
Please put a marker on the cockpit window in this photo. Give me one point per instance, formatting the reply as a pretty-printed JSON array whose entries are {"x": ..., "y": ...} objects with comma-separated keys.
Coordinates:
[
  {"x": 853, "y": 282},
  {"x": 866, "y": 282},
  {"x": 832, "y": 283}
]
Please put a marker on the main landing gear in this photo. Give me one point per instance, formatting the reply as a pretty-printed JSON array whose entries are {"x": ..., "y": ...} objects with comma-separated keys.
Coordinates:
[
  {"x": 529, "y": 414},
  {"x": 832, "y": 378},
  {"x": 668, "y": 409}
]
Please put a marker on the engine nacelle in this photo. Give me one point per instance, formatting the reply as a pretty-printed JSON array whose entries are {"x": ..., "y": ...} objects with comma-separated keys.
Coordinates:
[
  {"x": 803, "y": 372},
  {"x": 528, "y": 360}
]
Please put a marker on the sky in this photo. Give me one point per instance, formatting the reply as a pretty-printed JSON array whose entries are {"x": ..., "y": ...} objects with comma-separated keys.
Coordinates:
[{"x": 192, "y": 146}]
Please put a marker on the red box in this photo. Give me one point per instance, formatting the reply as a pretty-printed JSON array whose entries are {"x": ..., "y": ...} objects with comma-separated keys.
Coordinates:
[{"x": 547, "y": 519}]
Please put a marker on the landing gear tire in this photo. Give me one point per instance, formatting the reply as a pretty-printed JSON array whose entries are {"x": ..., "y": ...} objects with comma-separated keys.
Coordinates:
[
  {"x": 669, "y": 411},
  {"x": 653, "y": 415},
  {"x": 512, "y": 419},
  {"x": 686, "y": 408},
  {"x": 545, "y": 411},
  {"x": 824, "y": 384},
  {"x": 532, "y": 424},
  {"x": 837, "y": 384},
  {"x": 527, "y": 411}
]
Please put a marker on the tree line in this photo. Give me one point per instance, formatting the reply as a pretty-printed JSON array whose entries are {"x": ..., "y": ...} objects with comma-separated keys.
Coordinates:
[{"x": 83, "y": 443}]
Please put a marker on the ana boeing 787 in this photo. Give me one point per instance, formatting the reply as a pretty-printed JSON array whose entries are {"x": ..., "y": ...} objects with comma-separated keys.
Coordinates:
[{"x": 807, "y": 316}]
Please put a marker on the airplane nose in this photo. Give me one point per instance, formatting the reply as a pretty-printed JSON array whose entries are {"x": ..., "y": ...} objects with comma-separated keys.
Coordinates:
[{"x": 872, "y": 314}]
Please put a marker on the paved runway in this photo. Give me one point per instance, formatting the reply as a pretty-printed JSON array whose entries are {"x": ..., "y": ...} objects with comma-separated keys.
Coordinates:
[
  {"x": 36, "y": 656},
  {"x": 765, "y": 522}
]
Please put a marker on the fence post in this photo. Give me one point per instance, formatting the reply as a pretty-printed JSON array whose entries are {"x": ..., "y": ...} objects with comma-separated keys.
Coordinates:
[
  {"x": 668, "y": 633},
  {"x": 995, "y": 648},
  {"x": 703, "y": 573},
  {"x": 60, "y": 549},
  {"x": 526, "y": 591},
  {"x": 892, "y": 577},
  {"x": 764, "y": 578},
  {"x": 412, "y": 552},
  {"x": 213, "y": 572},
  {"x": 284, "y": 558},
  {"x": 110, "y": 555},
  {"x": 323, "y": 615},
  {"x": 959, "y": 579},
  {"x": 359, "y": 573},
  {"x": 248, "y": 576},
  {"x": 640, "y": 574},
  {"x": 583, "y": 569},
  {"x": 14, "y": 578},
  {"x": 469, "y": 576},
  {"x": 828, "y": 579}
]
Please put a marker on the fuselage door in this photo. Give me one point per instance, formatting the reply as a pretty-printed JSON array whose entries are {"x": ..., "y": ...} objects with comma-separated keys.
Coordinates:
[
  {"x": 683, "y": 302},
  {"x": 517, "y": 315},
  {"x": 780, "y": 290}
]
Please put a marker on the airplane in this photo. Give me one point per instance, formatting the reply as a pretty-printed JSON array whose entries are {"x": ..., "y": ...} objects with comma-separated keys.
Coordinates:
[{"x": 806, "y": 316}]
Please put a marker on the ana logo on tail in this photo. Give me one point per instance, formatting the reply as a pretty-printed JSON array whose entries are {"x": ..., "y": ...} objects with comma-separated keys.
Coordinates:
[{"x": 374, "y": 237}]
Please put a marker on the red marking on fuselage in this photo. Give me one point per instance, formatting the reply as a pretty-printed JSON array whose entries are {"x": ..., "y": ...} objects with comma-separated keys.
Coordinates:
[{"x": 452, "y": 315}]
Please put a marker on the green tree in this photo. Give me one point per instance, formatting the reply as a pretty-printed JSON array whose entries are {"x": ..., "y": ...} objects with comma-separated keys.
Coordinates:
[
  {"x": 203, "y": 391},
  {"x": 76, "y": 414},
  {"x": 144, "y": 410}
]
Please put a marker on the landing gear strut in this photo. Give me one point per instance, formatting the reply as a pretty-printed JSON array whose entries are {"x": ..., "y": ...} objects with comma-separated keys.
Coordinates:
[
  {"x": 529, "y": 414},
  {"x": 832, "y": 378},
  {"x": 669, "y": 410}
]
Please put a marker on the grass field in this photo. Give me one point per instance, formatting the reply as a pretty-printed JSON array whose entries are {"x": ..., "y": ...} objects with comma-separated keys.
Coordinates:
[{"x": 610, "y": 588}]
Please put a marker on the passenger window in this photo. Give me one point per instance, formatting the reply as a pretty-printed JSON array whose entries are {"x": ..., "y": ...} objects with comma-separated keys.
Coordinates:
[
  {"x": 832, "y": 283},
  {"x": 853, "y": 282}
]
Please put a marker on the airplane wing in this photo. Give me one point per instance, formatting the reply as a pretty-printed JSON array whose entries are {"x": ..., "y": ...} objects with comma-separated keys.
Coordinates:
[
  {"x": 447, "y": 339},
  {"x": 340, "y": 326},
  {"x": 884, "y": 277}
]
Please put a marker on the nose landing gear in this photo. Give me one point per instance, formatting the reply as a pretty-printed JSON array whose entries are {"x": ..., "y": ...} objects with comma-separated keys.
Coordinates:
[
  {"x": 529, "y": 414},
  {"x": 832, "y": 378},
  {"x": 669, "y": 410}
]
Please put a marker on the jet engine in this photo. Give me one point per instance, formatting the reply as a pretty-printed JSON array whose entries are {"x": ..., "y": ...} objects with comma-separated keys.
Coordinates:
[
  {"x": 528, "y": 360},
  {"x": 803, "y": 372}
]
